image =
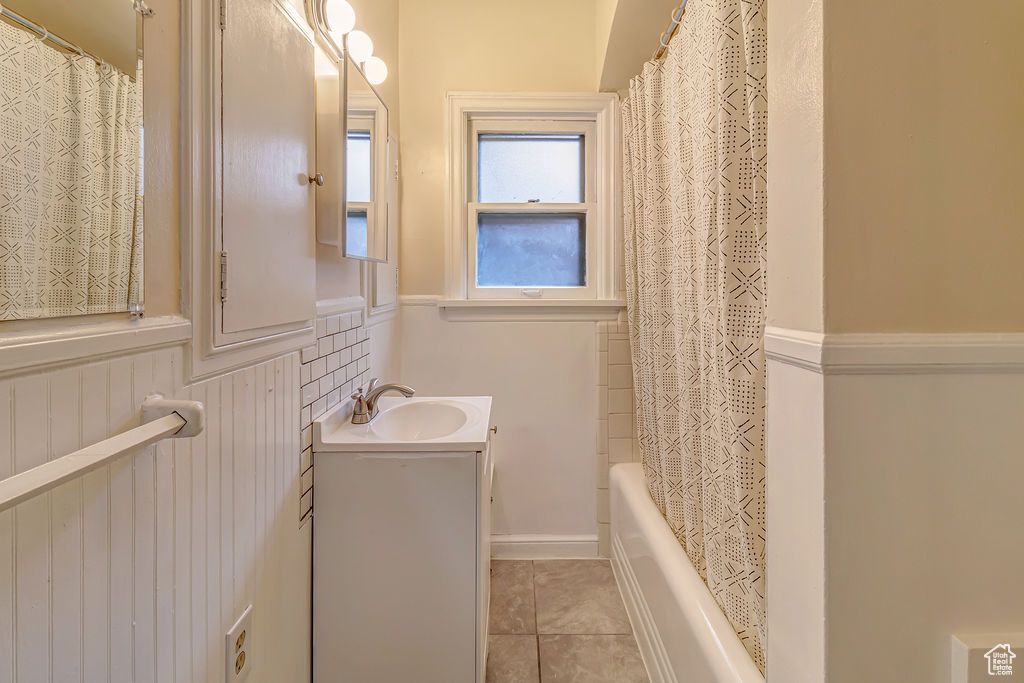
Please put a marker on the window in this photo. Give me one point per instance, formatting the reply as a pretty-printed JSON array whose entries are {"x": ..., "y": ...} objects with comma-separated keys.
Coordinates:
[{"x": 531, "y": 204}]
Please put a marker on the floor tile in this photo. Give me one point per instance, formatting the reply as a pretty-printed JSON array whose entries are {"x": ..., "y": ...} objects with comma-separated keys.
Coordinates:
[
  {"x": 512, "y": 597},
  {"x": 578, "y": 596},
  {"x": 590, "y": 659},
  {"x": 512, "y": 659}
]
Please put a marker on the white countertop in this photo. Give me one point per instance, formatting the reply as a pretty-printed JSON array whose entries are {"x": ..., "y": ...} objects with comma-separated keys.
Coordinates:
[{"x": 334, "y": 432}]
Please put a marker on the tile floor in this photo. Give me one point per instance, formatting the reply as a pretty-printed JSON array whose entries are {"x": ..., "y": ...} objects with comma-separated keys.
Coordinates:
[{"x": 559, "y": 621}]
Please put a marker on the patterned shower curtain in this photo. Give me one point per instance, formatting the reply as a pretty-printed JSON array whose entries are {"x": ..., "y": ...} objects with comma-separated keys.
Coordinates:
[
  {"x": 695, "y": 203},
  {"x": 70, "y": 190}
]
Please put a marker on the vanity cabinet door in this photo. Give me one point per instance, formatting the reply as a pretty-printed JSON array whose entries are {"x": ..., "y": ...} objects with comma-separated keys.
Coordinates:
[{"x": 269, "y": 150}]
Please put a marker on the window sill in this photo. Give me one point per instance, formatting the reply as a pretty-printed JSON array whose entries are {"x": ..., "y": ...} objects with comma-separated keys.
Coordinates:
[{"x": 531, "y": 310}]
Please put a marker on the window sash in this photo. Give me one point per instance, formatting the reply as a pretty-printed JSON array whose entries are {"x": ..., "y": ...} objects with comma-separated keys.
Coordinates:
[
  {"x": 589, "y": 208},
  {"x": 588, "y": 291}
]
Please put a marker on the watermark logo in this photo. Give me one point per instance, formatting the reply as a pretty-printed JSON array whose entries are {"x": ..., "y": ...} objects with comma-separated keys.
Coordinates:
[{"x": 1000, "y": 660}]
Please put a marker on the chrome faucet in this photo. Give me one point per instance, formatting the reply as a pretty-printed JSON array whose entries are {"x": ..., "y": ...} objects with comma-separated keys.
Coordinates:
[{"x": 366, "y": 406}]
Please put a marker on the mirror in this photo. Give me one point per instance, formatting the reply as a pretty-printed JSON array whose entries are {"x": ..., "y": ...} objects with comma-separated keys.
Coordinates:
[
  {"x": 366, "y": 165},
  {"x": 71, "y": 181}
]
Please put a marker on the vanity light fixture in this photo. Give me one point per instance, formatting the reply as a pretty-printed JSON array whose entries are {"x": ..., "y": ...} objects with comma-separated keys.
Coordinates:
[
  {"x": 341, "y": 18},
  {"x": 360, "y": 46},
  {"x": 375, "y": 70}
]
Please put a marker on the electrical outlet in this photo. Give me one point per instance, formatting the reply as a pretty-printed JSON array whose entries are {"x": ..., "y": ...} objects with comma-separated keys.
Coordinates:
[{"x": 238, "y": 651}]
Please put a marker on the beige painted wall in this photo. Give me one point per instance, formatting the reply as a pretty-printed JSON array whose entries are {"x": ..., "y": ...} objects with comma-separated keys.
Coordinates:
[
  {"x": 472, "y": 45},
  {"x": 894, "y": 206},
  {"x": 923, "y": 177},
  {"x": 104, "y": 28},
  {"x": 894, "y": 148},
  {"x": 795, "y": 165},
  {"x": 604, "y": 18}
]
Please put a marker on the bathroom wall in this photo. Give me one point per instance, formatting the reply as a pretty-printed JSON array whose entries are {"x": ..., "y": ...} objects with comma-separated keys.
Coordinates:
[
  {"x": 628, "y": 32},
  {"x": 795, "y": 165},
  {"x": 922, "y": 156},
  {"x": 543, "y": 378},
  {"x": 543, "y": 375},
  {"x": 448, "y": 45},
  {"x": 136, "y": 570},
  {"x": 896, "y": 360}
]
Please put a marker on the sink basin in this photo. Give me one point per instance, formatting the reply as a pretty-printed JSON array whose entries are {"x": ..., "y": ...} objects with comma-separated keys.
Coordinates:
[
  {"x": 419, "y": 420},
  {"x": 420, "y": 423}
]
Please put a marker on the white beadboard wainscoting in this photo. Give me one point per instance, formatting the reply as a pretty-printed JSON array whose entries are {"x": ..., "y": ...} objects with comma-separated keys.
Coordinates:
[{"x": 135, "y": 571}]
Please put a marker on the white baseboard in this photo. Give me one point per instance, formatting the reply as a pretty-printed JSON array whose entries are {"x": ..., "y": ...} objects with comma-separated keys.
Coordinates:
[
  {"x": 542, "y": 546},
  {"x": 648, "y": 638}
]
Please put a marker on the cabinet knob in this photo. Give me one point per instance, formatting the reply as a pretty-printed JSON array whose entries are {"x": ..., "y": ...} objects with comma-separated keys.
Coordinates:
[
  {"x": 318, "y": 179},
  {"x": 494, "y": 429}
]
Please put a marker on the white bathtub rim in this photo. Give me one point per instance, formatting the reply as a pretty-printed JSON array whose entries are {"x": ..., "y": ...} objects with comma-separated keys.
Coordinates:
[{"x": 724, "y": 653}]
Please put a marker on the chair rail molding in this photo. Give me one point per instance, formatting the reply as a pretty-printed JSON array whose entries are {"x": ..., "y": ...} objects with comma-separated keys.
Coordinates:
[
  {"x": 896, "y": 352},
  {"x": 36, "y": 348}
]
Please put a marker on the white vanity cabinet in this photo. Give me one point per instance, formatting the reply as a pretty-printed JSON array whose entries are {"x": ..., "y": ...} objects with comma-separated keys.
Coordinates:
[{"x": 401, "y": 560}]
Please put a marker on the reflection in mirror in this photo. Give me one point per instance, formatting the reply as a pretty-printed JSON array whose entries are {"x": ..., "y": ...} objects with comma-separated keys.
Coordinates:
[
  {"x": 329, "y": 121},
  {"x": 366, "y": 163},
  {"x": 71, "y": 183}
]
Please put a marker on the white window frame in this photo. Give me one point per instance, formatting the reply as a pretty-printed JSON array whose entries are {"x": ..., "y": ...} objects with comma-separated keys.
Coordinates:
[{"x": 594, "y": 115}]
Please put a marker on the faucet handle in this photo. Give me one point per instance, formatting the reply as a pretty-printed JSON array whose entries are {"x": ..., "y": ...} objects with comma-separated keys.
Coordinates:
[{"x": 359, "y": 414}]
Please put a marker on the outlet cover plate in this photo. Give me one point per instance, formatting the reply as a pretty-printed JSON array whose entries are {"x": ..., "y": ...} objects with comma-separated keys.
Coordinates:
[{"x": 238, "y": 650}]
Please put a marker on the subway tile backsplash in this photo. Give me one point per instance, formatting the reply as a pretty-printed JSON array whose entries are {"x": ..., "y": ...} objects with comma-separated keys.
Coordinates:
[{"x": 330, "y": 371}]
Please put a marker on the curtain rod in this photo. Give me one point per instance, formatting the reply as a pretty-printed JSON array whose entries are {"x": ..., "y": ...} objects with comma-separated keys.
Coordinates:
[
  {"x": 666, "y": 37},
  {"x": 44, "y": 34}
]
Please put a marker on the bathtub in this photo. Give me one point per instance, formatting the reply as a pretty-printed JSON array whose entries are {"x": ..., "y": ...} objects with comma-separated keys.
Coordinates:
[{"x": 683, "y": 635}]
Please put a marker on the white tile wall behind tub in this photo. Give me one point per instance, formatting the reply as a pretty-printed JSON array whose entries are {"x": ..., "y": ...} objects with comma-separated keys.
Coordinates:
[
  {"x": 134, "y": 572},
  {"x": 330, "y": 372},
  {"x": 616, "y": 423}
]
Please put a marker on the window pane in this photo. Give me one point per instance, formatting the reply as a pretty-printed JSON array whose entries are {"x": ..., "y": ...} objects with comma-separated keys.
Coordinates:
[
  {"x": 358, "y": 170},
  {"x": 355, "y": 232},
  {"x": 521, "y": 167},
  {"x": 531, "y": 250}
]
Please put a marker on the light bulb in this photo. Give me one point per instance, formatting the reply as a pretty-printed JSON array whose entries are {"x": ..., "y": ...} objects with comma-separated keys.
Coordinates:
[
  {"x": 341, "y": 18},
  {"x": 375, "y": 70},
  {"x": 360, "y": 47}
]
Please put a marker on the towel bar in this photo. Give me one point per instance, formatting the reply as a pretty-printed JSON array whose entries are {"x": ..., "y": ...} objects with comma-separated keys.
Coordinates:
[{"x": 162, "y": 418}]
